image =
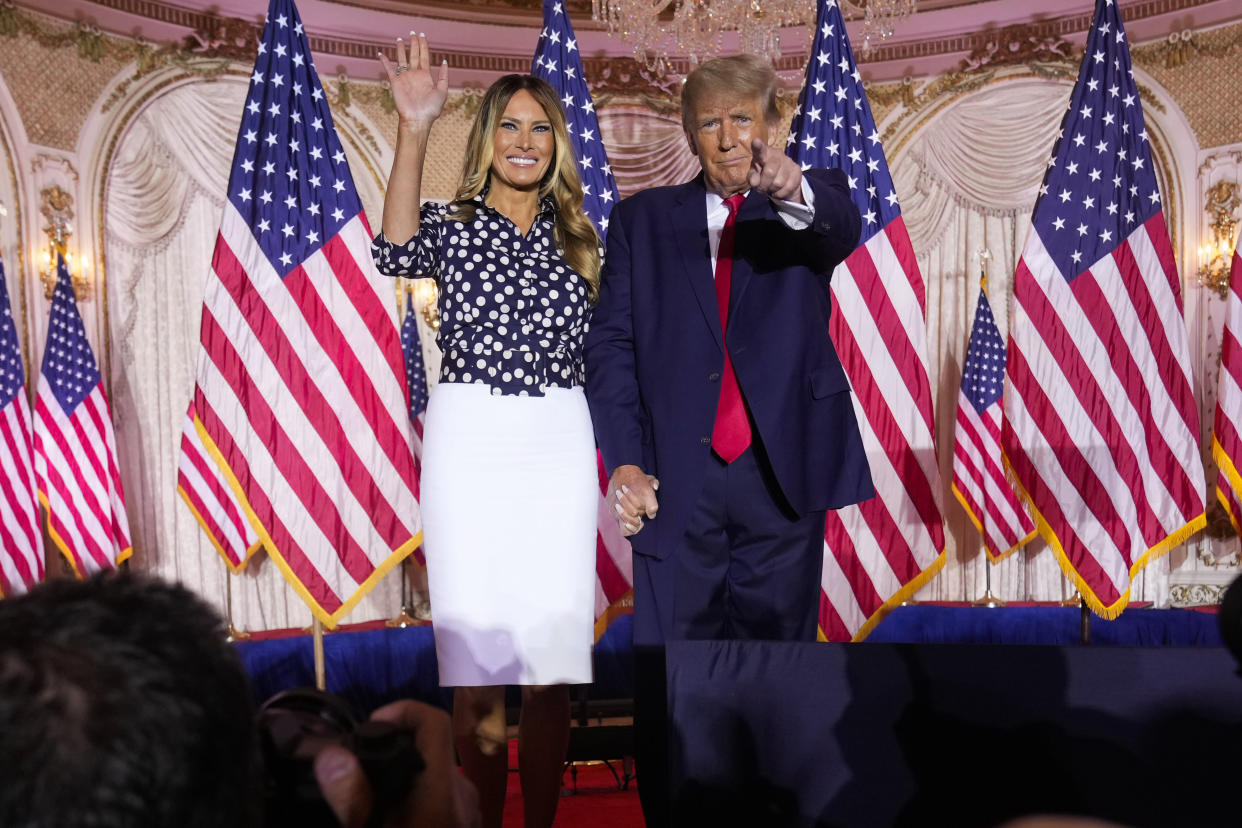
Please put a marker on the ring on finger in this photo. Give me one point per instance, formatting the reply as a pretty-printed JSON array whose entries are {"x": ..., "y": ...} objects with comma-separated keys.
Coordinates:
[{"x": 401, "y": 69}]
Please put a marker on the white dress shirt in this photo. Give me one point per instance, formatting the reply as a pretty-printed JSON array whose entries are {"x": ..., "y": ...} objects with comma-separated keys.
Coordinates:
[{"x": 796, "y": 216}]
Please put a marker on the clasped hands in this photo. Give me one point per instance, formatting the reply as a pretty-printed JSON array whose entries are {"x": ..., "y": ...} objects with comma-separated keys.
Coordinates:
[{"x": 632, "y": 497}]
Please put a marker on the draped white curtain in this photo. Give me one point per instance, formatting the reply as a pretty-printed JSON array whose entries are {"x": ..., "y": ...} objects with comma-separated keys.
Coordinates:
[
  {"x": 646, "y": 149},
  {"x": 164, "y": 197}
]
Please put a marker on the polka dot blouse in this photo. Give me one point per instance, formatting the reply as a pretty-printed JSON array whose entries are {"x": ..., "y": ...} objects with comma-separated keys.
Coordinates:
[{"x": 512, "y": 311}]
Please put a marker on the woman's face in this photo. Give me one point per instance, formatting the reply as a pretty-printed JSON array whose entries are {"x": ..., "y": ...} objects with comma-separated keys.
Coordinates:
[{"x": 523, "y": 146}]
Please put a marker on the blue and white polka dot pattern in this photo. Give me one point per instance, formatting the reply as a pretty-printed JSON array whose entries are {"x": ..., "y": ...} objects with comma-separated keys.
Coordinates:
[{"x": 512, "y": 311}]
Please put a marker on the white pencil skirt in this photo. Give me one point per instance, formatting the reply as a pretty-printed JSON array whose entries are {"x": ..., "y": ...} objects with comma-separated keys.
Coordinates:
[{"x": 509, "y": 501}]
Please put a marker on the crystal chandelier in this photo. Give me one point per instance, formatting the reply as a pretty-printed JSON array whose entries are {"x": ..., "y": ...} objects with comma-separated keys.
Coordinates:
[{"x": 660, "y": 28}]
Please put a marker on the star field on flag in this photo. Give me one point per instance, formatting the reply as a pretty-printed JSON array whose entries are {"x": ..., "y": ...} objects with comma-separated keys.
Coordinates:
[{"x": 558, "y": 61}]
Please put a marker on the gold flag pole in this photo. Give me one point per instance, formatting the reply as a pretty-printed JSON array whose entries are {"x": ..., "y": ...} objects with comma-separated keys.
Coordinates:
[
  {"x": 404, "y": 618},
  {"x": 987, "y": 599},
  {"x": 234, "y": 633},
  {"x": 320, "y": 673}
]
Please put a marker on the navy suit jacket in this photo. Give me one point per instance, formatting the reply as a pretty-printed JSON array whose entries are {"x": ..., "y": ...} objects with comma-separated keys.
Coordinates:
[{"x": 654, "y": 352}]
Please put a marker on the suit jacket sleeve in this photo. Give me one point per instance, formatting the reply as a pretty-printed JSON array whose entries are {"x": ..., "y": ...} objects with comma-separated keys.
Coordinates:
[
  {"x": 837, "y": 224},
  {"x": 611, "y": 376}
]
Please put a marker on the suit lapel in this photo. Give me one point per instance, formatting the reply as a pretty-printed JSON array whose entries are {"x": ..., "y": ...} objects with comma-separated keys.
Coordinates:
[{"x": 688, "y": 218}]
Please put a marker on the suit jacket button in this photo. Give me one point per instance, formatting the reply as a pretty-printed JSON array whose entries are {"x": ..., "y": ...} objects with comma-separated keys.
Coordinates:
[
  {"x": 707, "y": 441},
  {"x": 713, "y": 376}
]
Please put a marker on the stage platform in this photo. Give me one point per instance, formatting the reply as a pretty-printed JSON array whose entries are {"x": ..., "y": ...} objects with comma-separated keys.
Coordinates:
[
  {"x": 371, "y": 665},
  {"x": 946, "y": 716},
  {"x": 967, "y": 735}
]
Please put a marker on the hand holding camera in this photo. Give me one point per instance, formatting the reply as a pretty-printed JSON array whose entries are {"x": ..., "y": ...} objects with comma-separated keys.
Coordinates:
[{"x": 396, "y": 770}]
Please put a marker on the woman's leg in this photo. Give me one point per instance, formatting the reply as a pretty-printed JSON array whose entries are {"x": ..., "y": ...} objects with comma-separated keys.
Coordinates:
[
  {"x": 482, "y": 746},
  {"x": 543, "y": 739}
]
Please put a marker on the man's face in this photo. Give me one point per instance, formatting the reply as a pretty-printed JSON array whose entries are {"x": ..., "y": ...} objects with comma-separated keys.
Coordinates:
[{"x": 720, "y": 130}]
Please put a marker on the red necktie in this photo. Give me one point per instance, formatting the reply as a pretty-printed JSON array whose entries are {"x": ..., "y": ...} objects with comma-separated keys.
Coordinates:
[{"x": 731, "y": 433}]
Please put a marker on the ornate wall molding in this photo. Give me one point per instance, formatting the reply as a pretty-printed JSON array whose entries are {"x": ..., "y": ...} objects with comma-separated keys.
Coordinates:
[
  {"x": 213, "y": 35},
  {"x": 1020, "y": 44},
  {"x": 1196, "y": 595},
  {"x": 1182, "y": 47},
  {"x": 1054, "y": 29},
  {"x": 16, "y": 267}
]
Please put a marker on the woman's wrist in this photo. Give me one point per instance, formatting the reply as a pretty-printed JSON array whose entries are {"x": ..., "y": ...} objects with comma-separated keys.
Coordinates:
[{"x": 415, "y": 127}]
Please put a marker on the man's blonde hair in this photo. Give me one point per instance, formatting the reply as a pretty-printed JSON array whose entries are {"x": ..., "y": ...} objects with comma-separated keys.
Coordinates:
[{"x": 745, "y": 75}]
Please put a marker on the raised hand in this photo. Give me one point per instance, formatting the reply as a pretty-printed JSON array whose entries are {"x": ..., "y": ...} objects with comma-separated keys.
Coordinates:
[
  {"x": 418, "y": 96},
  {"x": 774, "y": 173}
]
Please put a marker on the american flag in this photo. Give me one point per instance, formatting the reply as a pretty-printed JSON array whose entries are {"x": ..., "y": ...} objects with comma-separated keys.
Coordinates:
[
  {"x": 1101, "y": 429},
  {"x": 301, "y": 386},
  {"x": 21, "y": 533},
  {"x": 1227, "y": 428},
  {"x": 978, "y": 473},
  {"x": 211, "y": 500},
  {"x": 416, "y": 382},
  {"x": 75, "y": 446},
  {"x": 879, "y": 552},
  {"x": 558, "y": 61}
]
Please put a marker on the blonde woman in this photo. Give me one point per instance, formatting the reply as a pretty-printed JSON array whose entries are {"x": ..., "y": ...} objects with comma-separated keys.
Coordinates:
[{"x": 509, "y": 480}]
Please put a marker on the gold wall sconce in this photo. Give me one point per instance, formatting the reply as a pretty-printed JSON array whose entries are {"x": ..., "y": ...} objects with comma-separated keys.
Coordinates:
[
  {"x": 426, "y": 301},
  {"x": 1216, "y": 253},
  {"x": 47, "y": 272},
  {"x": 57, "y": 208}
]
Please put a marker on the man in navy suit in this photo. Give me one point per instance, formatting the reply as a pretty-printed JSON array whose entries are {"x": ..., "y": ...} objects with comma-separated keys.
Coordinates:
[{"x": 719, "y": 403}]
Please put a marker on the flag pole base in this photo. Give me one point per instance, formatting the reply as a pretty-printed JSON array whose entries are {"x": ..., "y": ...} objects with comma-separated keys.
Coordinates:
[
  {"x": 236, "y": 634},
  {"x": 404, "y": 619},
  {"x": 987, "y": 599}
]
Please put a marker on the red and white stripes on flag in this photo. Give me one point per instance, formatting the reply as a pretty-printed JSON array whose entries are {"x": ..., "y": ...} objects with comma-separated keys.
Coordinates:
[
  {"x": 21, "y": 532},
  {"x": 979, "y": 481},
  {"x": 301, "y": 403},
  {"x": 211, "y": 501},
  {"x": 881, "y": 551},
  {"x": 1101, "y": 429},
  {"x": 301, "y": 396},
  {"x": 1227, "y": 426},
  {"x": 75, "y": 445},
  {"x": 614, "y": 563}
]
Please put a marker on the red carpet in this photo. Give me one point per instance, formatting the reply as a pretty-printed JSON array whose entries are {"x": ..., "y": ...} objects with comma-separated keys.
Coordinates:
[{"x": 598, "y": 803}]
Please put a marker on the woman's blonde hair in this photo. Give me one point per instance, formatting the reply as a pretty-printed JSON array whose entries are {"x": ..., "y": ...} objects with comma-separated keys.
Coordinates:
[{"x": 574, "y": 231}]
